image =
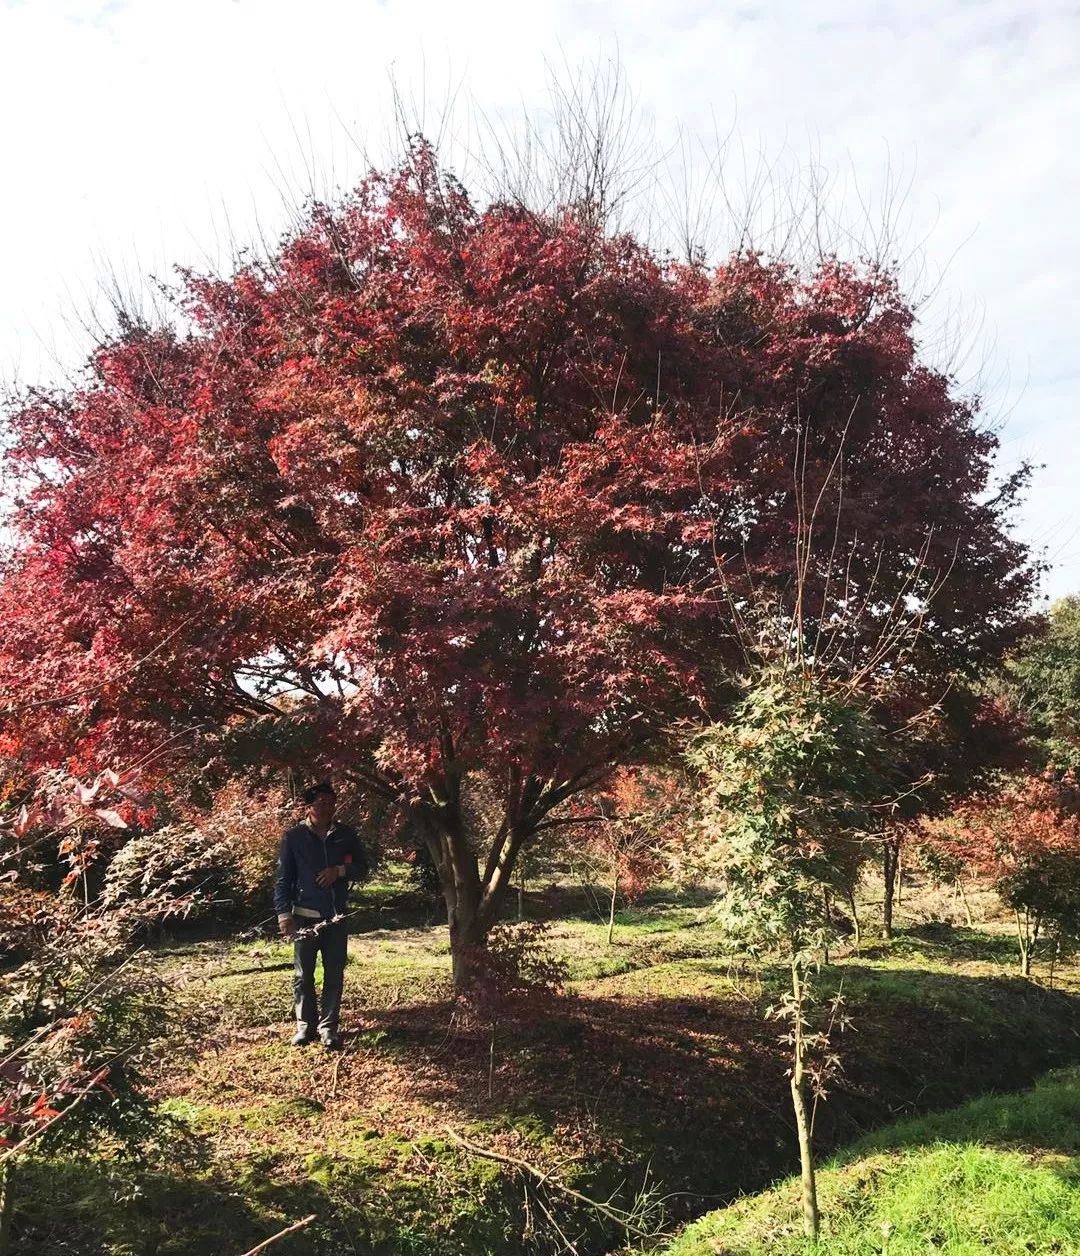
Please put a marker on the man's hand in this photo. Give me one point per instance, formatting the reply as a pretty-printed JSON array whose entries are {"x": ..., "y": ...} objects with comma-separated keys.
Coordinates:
[
  {"x": 287, "y": 925},
  {"x": 329, "y": 875}
]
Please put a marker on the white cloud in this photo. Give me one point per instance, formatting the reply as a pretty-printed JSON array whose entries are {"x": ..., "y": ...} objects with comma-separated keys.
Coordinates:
[{"x": 147, "y": 133}]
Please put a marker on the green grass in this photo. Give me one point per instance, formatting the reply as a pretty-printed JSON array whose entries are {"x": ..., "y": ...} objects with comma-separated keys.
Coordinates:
[{"x": 996, "y": 1177}]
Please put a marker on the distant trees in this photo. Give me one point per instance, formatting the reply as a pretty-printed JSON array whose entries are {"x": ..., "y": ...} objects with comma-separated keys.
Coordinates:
[
  {"x": 624, "y": 846},
  {"x": 1024, "y": 839},
  {"x": 1007, "y": 809},
  {"x": 958, "y": 745},
  {"x": 1042, "y": 681}
]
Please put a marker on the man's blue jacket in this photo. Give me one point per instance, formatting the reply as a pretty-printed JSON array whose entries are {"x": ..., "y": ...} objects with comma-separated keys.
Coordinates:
[{"x": 303, "y": 855}]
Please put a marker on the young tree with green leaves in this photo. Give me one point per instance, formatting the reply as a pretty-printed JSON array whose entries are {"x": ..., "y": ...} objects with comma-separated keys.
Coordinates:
[{"x": 786, "y": 784}]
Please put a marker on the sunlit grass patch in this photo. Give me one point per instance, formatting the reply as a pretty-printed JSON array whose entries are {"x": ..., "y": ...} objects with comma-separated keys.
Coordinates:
[{"x": 995, "y": 1177}]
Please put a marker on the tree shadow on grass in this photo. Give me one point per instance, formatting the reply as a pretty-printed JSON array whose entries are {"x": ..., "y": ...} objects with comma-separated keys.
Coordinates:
[
  {"x": 86, "y": 1207},
  {"x": 696, "y": 1085}
]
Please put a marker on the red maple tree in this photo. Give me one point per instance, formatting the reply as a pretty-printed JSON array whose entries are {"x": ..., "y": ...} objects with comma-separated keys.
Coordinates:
[
  {"x": 439, "y": 489},
  {"x": 627, "y": 841},
  {"x": 1024, "y": 838}
]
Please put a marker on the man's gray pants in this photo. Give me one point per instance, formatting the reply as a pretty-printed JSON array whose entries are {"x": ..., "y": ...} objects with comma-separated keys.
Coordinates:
[{"x": 332, "y": 942}]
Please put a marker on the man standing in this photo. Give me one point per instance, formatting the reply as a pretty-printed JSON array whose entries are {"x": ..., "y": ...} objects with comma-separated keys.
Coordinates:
[{"x": 316, "y": 862}]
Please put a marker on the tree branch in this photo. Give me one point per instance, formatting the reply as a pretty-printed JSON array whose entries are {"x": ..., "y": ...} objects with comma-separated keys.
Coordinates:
[{"x": 296, "y": 1225}]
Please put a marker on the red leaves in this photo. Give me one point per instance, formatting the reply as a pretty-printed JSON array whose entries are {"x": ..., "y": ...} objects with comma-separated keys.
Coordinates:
[
  {"x": 513, "y": 972},
  {"x": 457, "y": 482},
  {"x": 42, "y": 1111},
  {"x": 628, "y": 840},
  {"x": 994, "y": 832}
]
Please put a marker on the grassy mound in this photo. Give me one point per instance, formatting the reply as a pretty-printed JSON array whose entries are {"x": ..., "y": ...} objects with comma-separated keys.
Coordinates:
[{"x": 997, "y": 1176}]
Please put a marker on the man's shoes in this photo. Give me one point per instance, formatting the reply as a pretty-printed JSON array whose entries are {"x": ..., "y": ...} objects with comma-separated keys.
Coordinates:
[
  {"x": 331, "y": 1041},
  {"x": 302, "y": 1038}
]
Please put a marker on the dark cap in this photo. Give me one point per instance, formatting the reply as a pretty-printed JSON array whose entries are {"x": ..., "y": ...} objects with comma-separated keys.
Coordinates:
[{"x": 313, "y": 791}]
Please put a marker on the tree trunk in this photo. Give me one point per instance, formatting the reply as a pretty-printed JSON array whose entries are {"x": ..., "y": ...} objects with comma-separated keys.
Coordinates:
[
  {"x": 802, "y": 1114},
  {"x": 890, "y": 855},
  {"x": 7, "y": 1204},
  {"x": 1024, "y": 939},
  {"x": 611, "y": 913},
  {"x": 466, "y": 941},
  {"x": 459, "y": 877},
  {"x": 854, "y": 919},
  {"x": 473, "y": 902},
  {"x": 967, "y": 905},
  {"x": 473, "y": 899}
]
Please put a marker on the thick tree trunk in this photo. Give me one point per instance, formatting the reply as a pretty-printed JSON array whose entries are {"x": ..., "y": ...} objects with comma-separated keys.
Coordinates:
[
  {"x": 459, "y": 878},
  {"x": 466, "y": 940},
  {"x": 473, "y": 902},
  {"x": 468, "y": 923}
]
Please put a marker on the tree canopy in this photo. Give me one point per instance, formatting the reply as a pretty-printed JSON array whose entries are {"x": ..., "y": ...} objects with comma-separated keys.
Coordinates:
[
  {"x": 1042, "y": 678},
  {"x": 438, "y": 489}
]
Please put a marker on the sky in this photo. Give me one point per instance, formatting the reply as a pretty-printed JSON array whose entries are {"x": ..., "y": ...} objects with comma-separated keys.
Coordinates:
[{"x": 142, "y": 134}]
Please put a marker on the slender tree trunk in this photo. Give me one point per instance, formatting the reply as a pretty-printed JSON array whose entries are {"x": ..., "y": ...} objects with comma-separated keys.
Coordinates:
[
  {"x": 890, "y": 860},
  {"x": 964, "y": 900},
  {"x": 828, "y": 919},
  {"x": 854, "y": 918},
  {"x": 899, "y": 874},
  {"x": 799, "y": 1102},
  {"x": 1024, "y": 939},
  {"x": 521, "y": 891},
  {"x": 611, "y": 912},
  {"x": 7, "y": 1204}
]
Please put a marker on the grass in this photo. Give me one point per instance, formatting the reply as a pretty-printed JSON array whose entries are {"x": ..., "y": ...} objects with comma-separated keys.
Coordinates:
[
  {"x": 656, "y": 1067},
  {"x": 996, "y": 1177}
]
